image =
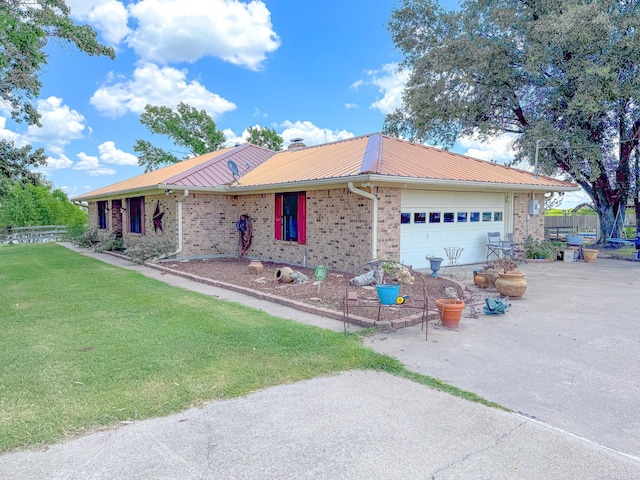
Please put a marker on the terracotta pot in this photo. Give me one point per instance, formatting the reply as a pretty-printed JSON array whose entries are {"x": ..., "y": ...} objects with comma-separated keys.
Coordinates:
[
  {"x": 590, "y": 255},
  {"x": 511, "y": 284},
  {"x": 283, "y": 275},
  {"x": 450, "y": 310},
  {"x": 480, "y": 280},
  {"x": 255, "y": 266}
]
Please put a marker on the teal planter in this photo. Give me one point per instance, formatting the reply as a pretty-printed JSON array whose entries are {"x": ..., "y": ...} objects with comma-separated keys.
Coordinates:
[{"x": 388, "y": 293}]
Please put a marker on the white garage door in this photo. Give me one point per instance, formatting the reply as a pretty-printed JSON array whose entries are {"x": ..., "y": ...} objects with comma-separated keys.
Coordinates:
[{"x": 431, "y": 221}]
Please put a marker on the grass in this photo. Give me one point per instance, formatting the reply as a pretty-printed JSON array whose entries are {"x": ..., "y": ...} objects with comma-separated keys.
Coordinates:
[{"x": 87, "y": 345}]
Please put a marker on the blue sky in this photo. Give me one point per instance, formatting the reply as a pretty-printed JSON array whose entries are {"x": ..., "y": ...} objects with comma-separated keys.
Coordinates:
[{"x": 322, "y": 71}]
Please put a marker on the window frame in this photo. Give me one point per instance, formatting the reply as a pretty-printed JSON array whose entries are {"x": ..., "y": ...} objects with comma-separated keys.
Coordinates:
[
  {"x": 135, "y": 215},
  {"x": 102, "y": 214},
  {"x": 282, "y": 222}
]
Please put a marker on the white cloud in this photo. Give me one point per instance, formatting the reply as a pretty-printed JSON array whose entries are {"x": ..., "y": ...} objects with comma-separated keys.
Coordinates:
[
  {"x": 59, "y": 163},
  {"x": 111, "y": 155},
  {"x": 571, "y": 200},
  {"x": 357, "y": 84},
  {"x": 9, "y": 135},
  {"x": 91, "y": 165},
  {"x": 233, "y": 139},
  {"x": 311, "y": 134},
  {"x": 156, "y": 86},
  {"x": 390, "y": 82},
  {"x": 109, "y": 17},
  {"x": 187, "y": 30},
  {"x": 60, "y": 125},
  {"x": 498, "y": 149},
  {"x": 351, "y": 105}
]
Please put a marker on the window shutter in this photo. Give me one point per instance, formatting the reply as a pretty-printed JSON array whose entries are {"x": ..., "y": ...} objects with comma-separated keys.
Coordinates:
[
  {"x": 278, "y": 217},
  {"x": 302, "y": 218}
]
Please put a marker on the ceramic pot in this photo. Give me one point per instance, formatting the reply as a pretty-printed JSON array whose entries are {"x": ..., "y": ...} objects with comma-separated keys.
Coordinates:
[
  {"x": 480, "y": 280},
  {"x": 590, "y": 255},
  {"x": 450, "y": 310},
  {"x": 255, "y": 266},
  {"x": 511, "y": 284},
  {"x": 283, "y": 275}
]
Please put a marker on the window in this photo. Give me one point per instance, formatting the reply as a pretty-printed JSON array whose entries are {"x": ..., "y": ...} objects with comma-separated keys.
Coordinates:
[
  {"x": 448, "y": 217},
  {"x": 420, "y": 218},
  {"x": 475, "y": 217},
  {"x": 486, "y": 216},
  {"x": 291, "y": 217},
  {"x": 434, "y": 217},
  {"x": 462, "y": 216},
  {"x": 102, "y": 215},
  {"x": 497, "y": 216},
  {"x": 405, "y": 218},
  {"x": 135, "y": 207}
]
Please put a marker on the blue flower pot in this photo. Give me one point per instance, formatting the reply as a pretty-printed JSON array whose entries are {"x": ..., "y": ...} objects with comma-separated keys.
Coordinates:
[{"x": 388, "y": 293}]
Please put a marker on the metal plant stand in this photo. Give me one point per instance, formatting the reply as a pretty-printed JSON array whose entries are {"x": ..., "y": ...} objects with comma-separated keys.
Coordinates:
[{"x": 454, "y": 270}]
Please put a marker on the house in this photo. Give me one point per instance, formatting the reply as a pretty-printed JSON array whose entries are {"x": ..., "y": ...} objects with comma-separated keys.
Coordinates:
[{"x": 339, "y": 204}]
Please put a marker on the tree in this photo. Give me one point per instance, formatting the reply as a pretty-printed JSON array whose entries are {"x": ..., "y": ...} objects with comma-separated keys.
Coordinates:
[
  {"x": 25, "y": 28},
  {"x": 560, "y": 75},
  {"x": 16, "y": 164},
  {"x": 188, "y": 127},
  {"x": 29, "y": 205},
  {"x": 265, "y": 137}
]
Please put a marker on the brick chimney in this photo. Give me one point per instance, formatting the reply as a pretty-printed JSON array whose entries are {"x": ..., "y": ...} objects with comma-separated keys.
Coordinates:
[{"x": 296, "y": 143}]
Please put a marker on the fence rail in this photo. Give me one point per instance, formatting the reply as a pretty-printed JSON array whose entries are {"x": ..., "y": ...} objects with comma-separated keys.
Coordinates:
[{"x": 39, "y": 234}]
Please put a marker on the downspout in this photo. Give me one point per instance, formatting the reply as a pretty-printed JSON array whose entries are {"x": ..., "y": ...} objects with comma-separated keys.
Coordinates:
[
  {"x": 374, "y": 228},
  {"x": 180, "y": 200}
]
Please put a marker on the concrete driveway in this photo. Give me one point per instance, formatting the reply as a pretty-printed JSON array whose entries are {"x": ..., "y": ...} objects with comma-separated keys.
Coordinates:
[
  {"x": 567, "y": 353},
  {"x": 566, "y": 356}
]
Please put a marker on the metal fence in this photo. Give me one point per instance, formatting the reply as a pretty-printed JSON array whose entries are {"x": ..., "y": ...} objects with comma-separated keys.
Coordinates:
[{"x": 40, "y": 234}]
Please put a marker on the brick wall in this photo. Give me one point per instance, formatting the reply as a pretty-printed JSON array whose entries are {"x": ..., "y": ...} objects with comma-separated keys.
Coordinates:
[
  {"x": 534, "y": 225},
  {"x": 338, "y": 227}
]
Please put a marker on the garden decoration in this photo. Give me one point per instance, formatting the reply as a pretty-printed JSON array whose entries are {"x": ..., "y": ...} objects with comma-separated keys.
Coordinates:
[
  {"x": 157, "y": 218},
  {"x": 496, "y": 306}
]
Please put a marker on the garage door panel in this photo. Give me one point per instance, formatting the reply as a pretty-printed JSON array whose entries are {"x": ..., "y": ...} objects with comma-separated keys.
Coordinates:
[{"x": 429, "y": 239}]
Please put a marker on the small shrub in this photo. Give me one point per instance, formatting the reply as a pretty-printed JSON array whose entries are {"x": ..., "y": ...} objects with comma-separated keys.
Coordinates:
[
  {"x": 505, "y": 264},
  {"x": 110, "y": 244},
  {"x": 149, "y": 248},
  {"x": 82, "y": 236},
  {"x": 537, "y": 249}
]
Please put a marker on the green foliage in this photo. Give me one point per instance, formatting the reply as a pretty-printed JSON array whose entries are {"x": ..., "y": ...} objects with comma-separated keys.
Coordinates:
[
  {"x": 31, "y": 205},
  {"x": 265, "y": 137},
  {"x": 188, "y": 127},
  {"x": 149, "y": 248},
  {"x": 564, "y": 72},
  {"x": 538, "y": 250},
  {"x": 82, "y": 236},
  {"x": 16, "y": 164},
  {"x": 25, "y": 29},
  {"x": 112, "y": 243}
]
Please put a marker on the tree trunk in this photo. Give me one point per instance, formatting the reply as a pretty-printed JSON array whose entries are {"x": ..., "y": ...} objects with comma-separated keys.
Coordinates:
[{"x": 607, "y": 217}]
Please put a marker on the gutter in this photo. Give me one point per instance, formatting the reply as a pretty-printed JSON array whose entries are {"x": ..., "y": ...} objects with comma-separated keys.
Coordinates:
[
  {"x": 180, "y": 200},
  {"x": 374, "y": 220}
]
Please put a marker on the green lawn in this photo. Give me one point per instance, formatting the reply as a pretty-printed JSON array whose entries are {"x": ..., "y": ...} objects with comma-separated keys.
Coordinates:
[{"x": 84, "y": 344}]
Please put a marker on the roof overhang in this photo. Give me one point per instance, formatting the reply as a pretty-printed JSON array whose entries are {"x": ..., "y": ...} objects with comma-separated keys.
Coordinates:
[
  {"x": 337, "y": 182},
  {"x": 401, "y": 182}
]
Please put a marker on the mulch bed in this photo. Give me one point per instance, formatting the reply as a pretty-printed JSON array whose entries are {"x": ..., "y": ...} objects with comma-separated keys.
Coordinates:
[{"x": 327, "y": 296}]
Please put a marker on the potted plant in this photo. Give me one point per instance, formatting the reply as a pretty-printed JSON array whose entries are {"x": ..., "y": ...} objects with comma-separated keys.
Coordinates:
[
  {"x": 510, "y": 281},
  {"x": 450, "y": 308}
]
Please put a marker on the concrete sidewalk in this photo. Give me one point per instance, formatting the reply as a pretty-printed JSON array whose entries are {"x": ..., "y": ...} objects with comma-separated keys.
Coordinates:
[{"x": 373, "y": 425}]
